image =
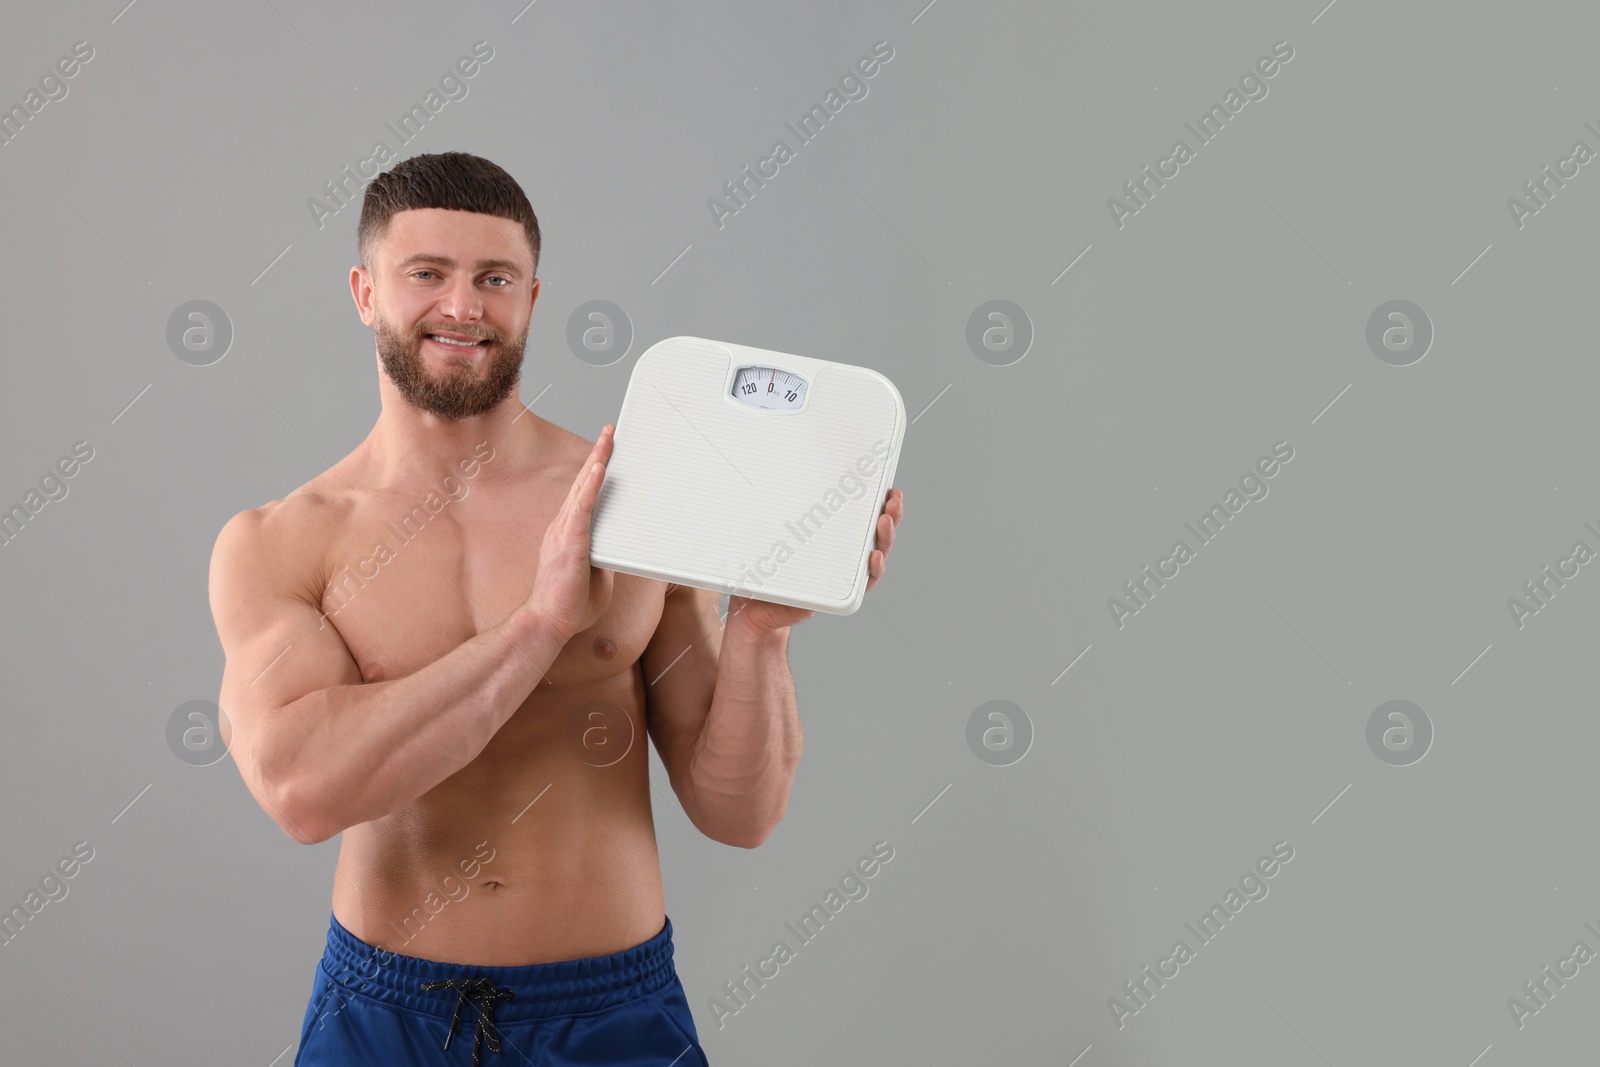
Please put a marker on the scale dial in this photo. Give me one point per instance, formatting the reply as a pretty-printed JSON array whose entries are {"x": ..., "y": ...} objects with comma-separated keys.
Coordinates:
[{"x": 770, "y": 389}]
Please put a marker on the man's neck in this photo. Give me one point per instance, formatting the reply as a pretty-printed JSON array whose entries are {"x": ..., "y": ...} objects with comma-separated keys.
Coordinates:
[{"x": 407, "y": 443}]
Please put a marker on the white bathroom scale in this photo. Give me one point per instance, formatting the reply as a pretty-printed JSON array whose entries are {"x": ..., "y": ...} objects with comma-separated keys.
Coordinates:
[{"x": 749, "y": 472}]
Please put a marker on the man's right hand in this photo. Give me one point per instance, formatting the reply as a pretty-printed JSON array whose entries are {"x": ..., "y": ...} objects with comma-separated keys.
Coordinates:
[{"x": 567, "y": 593}]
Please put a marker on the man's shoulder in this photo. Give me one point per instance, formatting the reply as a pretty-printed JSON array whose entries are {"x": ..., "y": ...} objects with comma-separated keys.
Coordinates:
[
  {"x": 287, "y": 536},
  {"x": 304, "y": 511}
]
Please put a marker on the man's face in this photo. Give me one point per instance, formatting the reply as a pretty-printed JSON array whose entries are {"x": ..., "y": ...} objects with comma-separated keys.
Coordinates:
[{"x": 485, "y": 296}]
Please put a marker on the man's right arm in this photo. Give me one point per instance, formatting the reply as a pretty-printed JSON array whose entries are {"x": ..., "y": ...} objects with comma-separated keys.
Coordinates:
[{"x": 319, "y": 748}]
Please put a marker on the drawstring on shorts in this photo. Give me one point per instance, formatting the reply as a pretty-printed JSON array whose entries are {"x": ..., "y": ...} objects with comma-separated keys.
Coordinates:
[{"x": 485, "y": 992}]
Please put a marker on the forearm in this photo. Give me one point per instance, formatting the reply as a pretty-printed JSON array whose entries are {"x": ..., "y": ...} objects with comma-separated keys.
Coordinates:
[
  {"x": 744, "y": 760},
  {"x": 352, "y": 753}
]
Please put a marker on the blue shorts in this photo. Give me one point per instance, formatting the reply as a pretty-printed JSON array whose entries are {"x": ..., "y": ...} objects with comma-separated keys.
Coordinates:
[{"x": 370, "y": 1006}]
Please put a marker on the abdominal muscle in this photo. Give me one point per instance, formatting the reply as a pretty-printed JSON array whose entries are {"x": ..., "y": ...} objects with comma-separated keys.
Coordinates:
[{"x": 534, "y": 852}]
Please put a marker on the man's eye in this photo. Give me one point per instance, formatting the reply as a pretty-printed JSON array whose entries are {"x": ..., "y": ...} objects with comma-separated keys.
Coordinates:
[{"x": 494, "y": 278}]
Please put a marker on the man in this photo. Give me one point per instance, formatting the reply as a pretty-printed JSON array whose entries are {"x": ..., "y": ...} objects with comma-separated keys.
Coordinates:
[{"x": 419, "y": 655}]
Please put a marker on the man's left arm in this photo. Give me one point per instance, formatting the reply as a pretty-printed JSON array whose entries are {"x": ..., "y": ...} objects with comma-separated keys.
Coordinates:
[
  {"x": 721, "y": 708},
  {"x": 720, "y": 701}
]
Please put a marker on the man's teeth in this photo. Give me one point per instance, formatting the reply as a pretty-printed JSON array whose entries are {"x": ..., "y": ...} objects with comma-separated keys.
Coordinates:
[{"x": 449, "y": 341}]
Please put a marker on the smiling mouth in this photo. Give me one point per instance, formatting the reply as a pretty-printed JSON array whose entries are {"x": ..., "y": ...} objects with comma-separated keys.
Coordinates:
[{"x": 450, "y": 345}]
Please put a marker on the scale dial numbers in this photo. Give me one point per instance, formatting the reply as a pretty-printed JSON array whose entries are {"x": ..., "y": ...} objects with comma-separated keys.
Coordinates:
[{"x": 770, "y": 389}]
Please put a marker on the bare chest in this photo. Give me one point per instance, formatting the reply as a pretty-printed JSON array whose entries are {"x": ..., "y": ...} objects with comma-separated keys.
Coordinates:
[{"x": 406, "y": 582}]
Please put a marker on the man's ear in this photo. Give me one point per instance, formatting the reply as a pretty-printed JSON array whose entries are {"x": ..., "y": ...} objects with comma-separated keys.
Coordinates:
[{"x": 361, "y": 293}]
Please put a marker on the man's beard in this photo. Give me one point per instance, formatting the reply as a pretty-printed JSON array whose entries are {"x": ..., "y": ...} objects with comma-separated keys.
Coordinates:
[{"x": 458, "y": 392}]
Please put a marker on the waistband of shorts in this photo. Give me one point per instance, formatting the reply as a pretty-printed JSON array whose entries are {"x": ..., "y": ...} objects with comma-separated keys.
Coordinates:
[{"x": 541, "y": 990}]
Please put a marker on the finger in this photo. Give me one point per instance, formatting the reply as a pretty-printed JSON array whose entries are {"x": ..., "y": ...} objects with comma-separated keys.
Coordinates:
[
  {"x": 885, "y": 533},
  {"x": 578, "y": 510},
  {"x": 893, "y": 509},
  {"x": 591, "y": 494},
  {"x": 587, "y": 479},
  {"x": 601, "y": 452},
  {"x": 578, "y": 483},
  {"x": 572, "y": 509}
]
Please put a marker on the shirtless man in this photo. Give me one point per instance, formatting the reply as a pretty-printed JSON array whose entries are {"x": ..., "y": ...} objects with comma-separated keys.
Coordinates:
[{"x": 419, "y": 655}]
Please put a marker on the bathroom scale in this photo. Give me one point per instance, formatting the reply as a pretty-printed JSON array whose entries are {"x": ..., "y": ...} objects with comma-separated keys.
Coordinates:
[{"x": 749, "y": 472}]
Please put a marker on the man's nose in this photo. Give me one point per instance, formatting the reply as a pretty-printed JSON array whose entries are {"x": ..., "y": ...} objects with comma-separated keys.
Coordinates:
[{"x": 461, "y": 300}]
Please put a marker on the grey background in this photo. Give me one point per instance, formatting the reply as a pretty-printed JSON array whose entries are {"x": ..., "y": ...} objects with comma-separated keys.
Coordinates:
[{"x": 1228, "y": 314}]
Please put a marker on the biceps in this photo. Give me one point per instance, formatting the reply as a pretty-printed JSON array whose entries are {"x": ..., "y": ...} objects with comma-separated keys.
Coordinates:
[
  {"x": 276, "y": 646},
  {"x": 680, "y": 671},
  {"x": 289, "y": 652},
  {"x": 678, "y": 688}
]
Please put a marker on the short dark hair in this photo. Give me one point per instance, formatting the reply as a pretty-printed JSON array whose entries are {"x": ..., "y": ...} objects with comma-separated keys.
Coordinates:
[{"x": 456, "y": 181}]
